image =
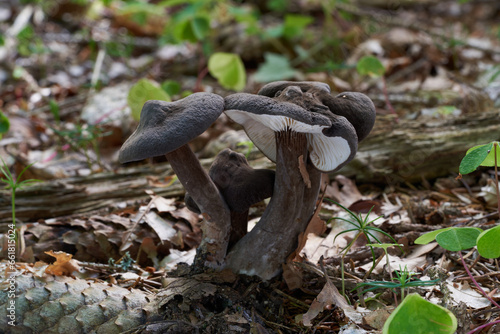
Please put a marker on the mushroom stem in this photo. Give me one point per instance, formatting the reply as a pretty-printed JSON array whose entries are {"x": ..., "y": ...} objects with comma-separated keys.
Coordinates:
[
  {"x": 311, "y": 193},
  {"x": 264, "y": 249},
  {"x": 239, "y": 227},
  {"x": 217, "y": 221}
]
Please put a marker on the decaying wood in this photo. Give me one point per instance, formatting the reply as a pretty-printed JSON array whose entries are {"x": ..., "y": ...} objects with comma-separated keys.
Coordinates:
[
  {"x": 403, "y": 151},
  {"x": 411, "y": 150}
]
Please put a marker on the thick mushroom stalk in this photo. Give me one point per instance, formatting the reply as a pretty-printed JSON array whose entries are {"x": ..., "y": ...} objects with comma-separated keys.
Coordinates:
[
  {"x": 165, "y": 128},
  {"x": 304, "y": 137},
  {"x": 240, "y": 185}
]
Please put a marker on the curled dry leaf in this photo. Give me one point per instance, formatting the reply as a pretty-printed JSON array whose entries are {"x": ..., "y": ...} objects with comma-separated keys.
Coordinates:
[{"x": 63, "y": 266}]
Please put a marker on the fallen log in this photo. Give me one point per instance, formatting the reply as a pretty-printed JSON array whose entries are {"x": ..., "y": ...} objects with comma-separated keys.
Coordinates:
[{"x": 395, "y": 152}]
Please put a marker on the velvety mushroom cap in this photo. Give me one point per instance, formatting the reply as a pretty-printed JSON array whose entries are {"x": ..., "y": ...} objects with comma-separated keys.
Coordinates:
[
  {"x": 240, "y": 185},
  {"x": 274, "y": 87},
  {"x": 166, "y": 126},
  {"x": 331, "y": 138},
  {"x": 356, "y": 107}
]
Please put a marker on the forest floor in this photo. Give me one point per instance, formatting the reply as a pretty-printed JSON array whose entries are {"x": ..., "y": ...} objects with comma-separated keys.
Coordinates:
[{"x": 64, "y": 81}]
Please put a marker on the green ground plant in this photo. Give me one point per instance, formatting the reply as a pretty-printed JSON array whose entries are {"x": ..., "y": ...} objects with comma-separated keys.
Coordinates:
[
  {"x": 13, "y": 184},
  {"x": 458, "y": 239},
  {"x": 402, "y": 281},
  {"x": 361, "y": 227}
]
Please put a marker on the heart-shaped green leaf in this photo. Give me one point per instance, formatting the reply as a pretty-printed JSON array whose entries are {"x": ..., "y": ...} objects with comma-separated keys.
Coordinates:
[
  {"x": 228, "y": 69},
  {"x": 488, "y": 244},
  {"x": 371, "y": 66},
  {"x": 144, "y": 90},
  {"x": 474, "y": 157},
  {"x": 489, "y": 161},
  {"x": 429, "y": 236},
  {"x": 458, "y": 238},
  {"x": 418, "y": 316}
]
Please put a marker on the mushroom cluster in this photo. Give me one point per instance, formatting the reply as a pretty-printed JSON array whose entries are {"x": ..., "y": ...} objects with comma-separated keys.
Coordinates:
[{"x": 300, "y": 126}]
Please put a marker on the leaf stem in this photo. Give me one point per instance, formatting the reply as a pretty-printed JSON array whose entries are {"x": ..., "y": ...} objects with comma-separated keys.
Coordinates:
[
  {"x": 495, "y": 145},
  {"x": 475, "y": 282},
  {"x": 14, "y": 207}
]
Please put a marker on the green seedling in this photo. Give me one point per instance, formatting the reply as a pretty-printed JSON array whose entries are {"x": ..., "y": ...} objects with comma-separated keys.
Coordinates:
[
  {"x": 13, "y": 184},
  {"x": 384, "y": 247},
  {"x": 362, "y": 227},
  {"x": 403, "y": 281},
  {"x": 463, "y": 238},
  {"x": 418, "y": 316},
  {"x": 487, "y": 155}
]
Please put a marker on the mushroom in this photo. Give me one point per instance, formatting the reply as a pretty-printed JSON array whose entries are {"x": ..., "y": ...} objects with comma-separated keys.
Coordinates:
[
  {"x": 357, "y": 108},
  {"x": 165, "y": 128},
  {"x": 293, "y": 127},
  {"x": 240, "y": 185},
  {"x": 263, "y": 117}
]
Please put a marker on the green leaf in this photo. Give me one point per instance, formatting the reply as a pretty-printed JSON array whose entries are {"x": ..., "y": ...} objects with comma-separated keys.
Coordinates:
[
  {"x": 370, "y": 65},
  {"x": 4, "y": 123},
  {"x": 200, "y": 26},
  {"x": 474, "y": 157},
  {"x": 487, "y": 243},
  {"x": 192, "y": 29},
  {"x": 171, "y": 87},
  {"x": 458, "y": 238},
  {"x": 228, "y": 69},
  {"x": 275, "y": 67},
  {"x": 144, "y": 90},
  {"x": 429, "y": 236},
  {"x": 489, "y": 161},
  {"x": 418, "y": 316},
  {"x": 294, "y": 25}
]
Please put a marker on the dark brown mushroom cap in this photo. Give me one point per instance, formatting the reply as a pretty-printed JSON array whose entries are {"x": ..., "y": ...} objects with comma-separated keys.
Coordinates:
[
  {"x": 356, "y": 107},
  {"x": 278, "y": 106},
  {"x": 240, "y": 185},
  {"x": 271, "y": 89},
  {"x": 166, "y": 126},
  {"x": 332, "y": 139}
]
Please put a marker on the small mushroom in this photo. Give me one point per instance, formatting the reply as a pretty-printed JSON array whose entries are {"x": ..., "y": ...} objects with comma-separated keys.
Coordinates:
[
  {"x": 165, "y": 128},
  {"x": 240, "y": 185}
]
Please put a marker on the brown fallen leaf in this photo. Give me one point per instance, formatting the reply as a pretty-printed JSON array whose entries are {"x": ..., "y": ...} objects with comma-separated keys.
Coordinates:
[
  {"x": 329, "y": 295},
  {"x": 63, "y": 266},
  {"x": 343, "y": 190}
]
